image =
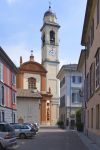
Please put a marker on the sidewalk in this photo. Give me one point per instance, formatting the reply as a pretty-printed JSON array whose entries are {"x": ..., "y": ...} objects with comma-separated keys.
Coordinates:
[{"x": 89, "y": 143}]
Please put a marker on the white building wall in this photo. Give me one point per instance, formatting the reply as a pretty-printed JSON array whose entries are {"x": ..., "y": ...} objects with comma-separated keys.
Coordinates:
[
  {"x": 67, "y": 90},
  {"x": 28, "y": 110},
  {"x": 8, "y": 114}
]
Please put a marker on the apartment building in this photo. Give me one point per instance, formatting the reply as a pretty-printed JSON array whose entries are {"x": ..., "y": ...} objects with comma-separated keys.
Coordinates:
[
  {"x": 70, "y": 100},
  {"x": 91, "y": 41},
  {"x": 8, "y": 72},
  {"x": 81, "y": 67}
]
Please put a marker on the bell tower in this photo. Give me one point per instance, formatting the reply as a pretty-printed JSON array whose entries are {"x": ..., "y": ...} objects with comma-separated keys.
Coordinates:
[{"x": 50, "y": 59}]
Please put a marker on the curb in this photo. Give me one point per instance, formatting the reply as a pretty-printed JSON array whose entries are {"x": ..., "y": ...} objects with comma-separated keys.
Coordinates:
[{"x": 89, "y": 143}]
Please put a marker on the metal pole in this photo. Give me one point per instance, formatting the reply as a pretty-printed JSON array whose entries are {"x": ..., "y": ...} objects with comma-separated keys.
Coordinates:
[
  {"x": 70, "y": 101},
  {"x": 12, "y": 99}
]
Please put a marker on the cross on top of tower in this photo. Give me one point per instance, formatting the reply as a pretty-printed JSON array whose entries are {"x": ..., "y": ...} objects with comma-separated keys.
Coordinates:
[
  {"x": 49, "y": 5},
  {"x": 31, "y": 57},
  {"x": 31, "y": 52}
]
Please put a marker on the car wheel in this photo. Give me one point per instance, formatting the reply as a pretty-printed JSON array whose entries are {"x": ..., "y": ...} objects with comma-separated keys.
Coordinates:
[{"x": 22, "y": 136}]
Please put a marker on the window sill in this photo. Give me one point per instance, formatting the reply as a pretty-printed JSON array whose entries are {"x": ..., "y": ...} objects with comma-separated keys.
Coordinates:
[
  {"x": 97, "y": 88},
  {"x": 13, "y": 84},
  {"x": 2, "y": 105},
  {"x": 14, "y": 103},
  {"x": 76, "y": 103},
  {"x": 2, "y": 81}
]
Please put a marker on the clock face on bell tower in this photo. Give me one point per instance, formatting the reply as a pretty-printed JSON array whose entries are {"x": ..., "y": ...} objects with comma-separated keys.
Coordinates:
[
  {"x": 50, "y": 43},
  {"x": 52, "y": 52},
  {"x": 49, "y": 37}
]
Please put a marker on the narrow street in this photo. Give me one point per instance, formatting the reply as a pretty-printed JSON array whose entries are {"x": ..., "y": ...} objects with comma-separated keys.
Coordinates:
[{"x": 52, "y": 139}]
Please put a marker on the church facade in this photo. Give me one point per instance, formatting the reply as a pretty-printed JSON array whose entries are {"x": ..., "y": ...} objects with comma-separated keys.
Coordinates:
[
  {"x": 50, "y": 59},
  {"x": 33, "y": 101},
  {"x": 37, "y": 85}
]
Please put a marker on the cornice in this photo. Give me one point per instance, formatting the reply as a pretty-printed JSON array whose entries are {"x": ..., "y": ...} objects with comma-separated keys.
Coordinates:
[
  {"x": 81, "y": 59},
  {"x": 51, "y": 61},
  {"x": 8, "y": 61},
  {"x": 89, "y": 11},
  {"x": 50, "y": 24}
]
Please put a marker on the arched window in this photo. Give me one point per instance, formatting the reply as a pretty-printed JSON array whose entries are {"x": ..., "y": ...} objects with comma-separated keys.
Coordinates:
[
  {"x": 52, "y": 37},
  {"x": 43, "y": 40},
  {"x": 31, "y": 83}
]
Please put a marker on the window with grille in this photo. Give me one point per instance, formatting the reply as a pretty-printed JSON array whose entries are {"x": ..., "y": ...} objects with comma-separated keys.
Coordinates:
[{"x": 31, "y": 83}]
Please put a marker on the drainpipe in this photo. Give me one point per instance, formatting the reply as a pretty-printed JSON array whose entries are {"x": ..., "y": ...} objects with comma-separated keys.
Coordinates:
[{"x": 85, "y": 94}]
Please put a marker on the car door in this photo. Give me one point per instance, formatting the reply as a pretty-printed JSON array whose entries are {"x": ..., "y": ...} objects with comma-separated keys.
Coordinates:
[{"x": 17, "y": 129}]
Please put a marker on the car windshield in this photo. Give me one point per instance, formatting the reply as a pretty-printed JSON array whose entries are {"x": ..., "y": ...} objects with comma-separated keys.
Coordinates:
[
  {"x": 6, "y": 128},
  {"x": 24, "y": 127},
  {"x": 17, "y": 126}
]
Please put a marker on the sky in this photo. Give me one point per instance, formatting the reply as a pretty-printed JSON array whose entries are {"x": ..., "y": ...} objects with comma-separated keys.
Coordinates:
[{"x": 21, "y": 20}]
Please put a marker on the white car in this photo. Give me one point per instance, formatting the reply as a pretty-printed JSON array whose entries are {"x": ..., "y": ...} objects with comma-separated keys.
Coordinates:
[
  {"x": 7, "y": 136},
  {"x": 23, "y": 131}
]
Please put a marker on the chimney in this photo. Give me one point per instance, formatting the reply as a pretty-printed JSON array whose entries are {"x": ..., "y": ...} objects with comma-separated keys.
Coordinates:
[
  {"x": 21, "y": 60},
  {"x": 31, "y": 57}
]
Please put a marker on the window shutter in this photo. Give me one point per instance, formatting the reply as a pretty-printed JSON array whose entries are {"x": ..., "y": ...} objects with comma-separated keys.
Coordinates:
[
  {"x": 0, "y": 95},
  {"x": 88, "y": 85},
  {"x": 99, "y": 65},
  {"x": 93, "y": 85},
  {"x": 1, "y": 71},
  {"x": 92, "y": 79}
]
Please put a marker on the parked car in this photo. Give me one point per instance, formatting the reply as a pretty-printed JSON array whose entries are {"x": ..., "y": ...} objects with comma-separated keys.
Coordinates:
[
  {"x": 23, "y": 130},
  {"x": 7, "y": 136},
  {"x": 34, "y": 127}
]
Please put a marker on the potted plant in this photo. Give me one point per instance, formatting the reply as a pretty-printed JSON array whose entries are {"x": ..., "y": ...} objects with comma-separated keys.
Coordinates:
[{"x": 60, "y": 124}]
